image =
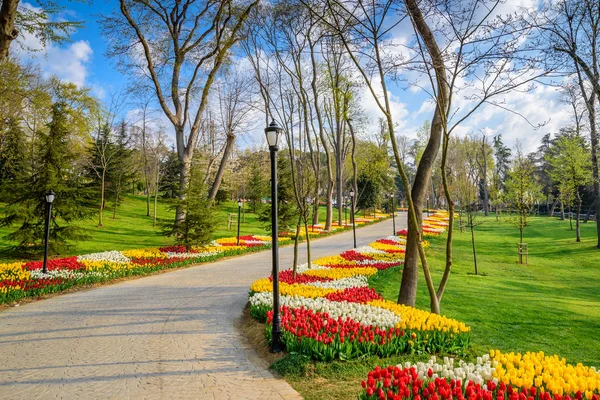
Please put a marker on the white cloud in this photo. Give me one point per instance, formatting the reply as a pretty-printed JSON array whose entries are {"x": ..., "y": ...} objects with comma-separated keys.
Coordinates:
[{"x": 70, "y": 63}]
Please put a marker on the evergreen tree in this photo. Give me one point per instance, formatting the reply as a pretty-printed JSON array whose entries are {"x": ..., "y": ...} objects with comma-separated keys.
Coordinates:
[
  {"x": 502, "y": 158},
  {"x": 287, "y": 207},
  {"x": 257, "y": 187},
  {"x": 169, "y": 181},
  {"x": 200, "y": 221},
  {"x": 121, "y": 171},
  {"x": 13, "y": 166},
  {"x": 368, "y": 192},
  {"x": 27, "y": 204}
]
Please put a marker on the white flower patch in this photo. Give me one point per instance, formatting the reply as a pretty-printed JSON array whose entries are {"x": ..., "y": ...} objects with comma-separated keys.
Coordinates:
[
  {"x": 478, "y": 373},
  {"x": 343, "y": 283},
  {"x": 304, "y": 267},
  {"x": 256, "y": 242},
  {"x": 396, "y": 239},
  {"x": 366, "y": 263},
  {"x": 110, "y": 256},
  {"x": 364, "y": 314},
  {"x": 191, "y": 255},
  {"x": 65, "y": 274},
  {"x": 368, "y": 250}
]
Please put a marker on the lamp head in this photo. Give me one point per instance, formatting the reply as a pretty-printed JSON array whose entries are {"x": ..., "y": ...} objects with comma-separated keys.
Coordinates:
[
  {"x": 50, "y": 196},
  {"x": 273, "y": 131},
  {"x": 351, "y": 193},
  {"x": 239, "y": 202}
]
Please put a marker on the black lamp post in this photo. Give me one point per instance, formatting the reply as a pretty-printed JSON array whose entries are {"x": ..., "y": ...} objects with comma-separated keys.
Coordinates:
[
  {"x": 345, "y": 210},
  {"x": 273, "y": 131},
  {"x": 352, "y": 215},
  {"x": 49, "y": 200},
  {"x": 239, "y": 215},
  {"x": 392, "y": 195}
]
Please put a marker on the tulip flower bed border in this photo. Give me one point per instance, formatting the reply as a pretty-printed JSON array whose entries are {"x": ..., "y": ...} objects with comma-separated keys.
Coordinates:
[{"x": 38, "y": 289}]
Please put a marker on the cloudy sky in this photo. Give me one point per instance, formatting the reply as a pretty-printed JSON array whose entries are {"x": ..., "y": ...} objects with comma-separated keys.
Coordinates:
[{"x": 83, "y": 62}]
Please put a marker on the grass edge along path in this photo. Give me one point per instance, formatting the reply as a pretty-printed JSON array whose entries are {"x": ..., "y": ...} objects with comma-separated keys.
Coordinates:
[
  {"x": 341, "y": 379},
  {"x": 19, "y": 280}
]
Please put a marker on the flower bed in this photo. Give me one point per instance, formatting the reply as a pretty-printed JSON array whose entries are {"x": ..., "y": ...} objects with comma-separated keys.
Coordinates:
[
  {"x": 495, "y": 376},
  {"x": 18, "y": 280},
  {"x": 328, "y": 311}
]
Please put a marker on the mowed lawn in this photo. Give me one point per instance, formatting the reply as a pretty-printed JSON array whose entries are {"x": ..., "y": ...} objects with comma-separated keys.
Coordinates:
[
  {"x": 133, "y": 229},
  {"x": 551, "y": 305}
]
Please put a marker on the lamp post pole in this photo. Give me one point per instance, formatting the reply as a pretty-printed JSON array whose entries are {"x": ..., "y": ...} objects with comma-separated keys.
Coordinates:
[
  {"x": 239, "y": 216},
  {"x": 49, "y": 200},
  {"x": 352, "y": 215},
  {"x": 394, "y": 214},
  {"x": 273, "y": 131}
]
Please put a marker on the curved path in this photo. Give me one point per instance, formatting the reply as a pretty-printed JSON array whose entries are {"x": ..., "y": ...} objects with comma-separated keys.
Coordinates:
[{"x": 170, "y": 335}]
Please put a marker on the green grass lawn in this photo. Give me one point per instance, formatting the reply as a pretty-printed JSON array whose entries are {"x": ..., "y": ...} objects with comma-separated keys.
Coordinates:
[
  {"x": 552, "y": 304},
  {"x": 133, "y": 229}
]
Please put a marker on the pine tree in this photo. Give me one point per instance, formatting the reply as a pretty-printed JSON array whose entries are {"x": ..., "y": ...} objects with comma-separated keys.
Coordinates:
[
  {"x": 27, "y": 204},
  {"x": 287, "y": 214},
  {"x": 13, "y": 166},
  {"x": 200, "y": 221}
]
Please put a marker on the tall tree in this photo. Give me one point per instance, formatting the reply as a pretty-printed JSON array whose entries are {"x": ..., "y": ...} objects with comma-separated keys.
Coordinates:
[
  {"x": 571, "y": 169},
  {"x": 180, "y": 46},
  {"x": 522, "y": 191}
]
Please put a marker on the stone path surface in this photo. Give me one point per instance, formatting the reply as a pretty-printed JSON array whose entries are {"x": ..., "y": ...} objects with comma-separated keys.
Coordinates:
[{"x": 168, "y": 336}]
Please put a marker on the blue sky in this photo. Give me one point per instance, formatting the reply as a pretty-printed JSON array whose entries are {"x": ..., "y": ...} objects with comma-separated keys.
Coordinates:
[{"x": 83, "y": 61}]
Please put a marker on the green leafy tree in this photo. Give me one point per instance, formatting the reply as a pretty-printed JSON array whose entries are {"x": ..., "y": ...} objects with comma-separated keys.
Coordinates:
[
  {"x": 571, "y": 169},
  {"x": 27, "y": 205},
  {"x": 522, "y": 192},
  {"x": 257, "y": 187},
  {"x": 368, "y": 192}
]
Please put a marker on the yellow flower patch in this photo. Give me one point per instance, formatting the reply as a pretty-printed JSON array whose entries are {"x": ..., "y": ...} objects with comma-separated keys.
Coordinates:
[
  {"x": 415, "y": 319},
  {"x": 144, "y": 253},
  {"x": 384, "y": 246},
  {"x": 339, "y": 273},
  {"x": 13, "y": 272},
  {"x": 295, "y": 289},
  {"x": 551, "y": 372},
  {"x": 334, "y": 260},
  {"x": 108, "y": 266}
]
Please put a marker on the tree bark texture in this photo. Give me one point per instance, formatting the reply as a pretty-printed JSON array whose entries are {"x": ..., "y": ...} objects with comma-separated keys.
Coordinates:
[
  {"x": 230, "y": 141},
  {"x": 8, "y": 31}
]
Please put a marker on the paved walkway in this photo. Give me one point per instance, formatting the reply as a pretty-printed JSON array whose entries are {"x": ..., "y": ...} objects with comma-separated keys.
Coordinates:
[{"x": 168, "y": 336}]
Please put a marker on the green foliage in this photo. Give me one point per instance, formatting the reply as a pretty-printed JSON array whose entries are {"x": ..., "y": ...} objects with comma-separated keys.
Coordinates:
[
  {"x": 13, "y": 166},
  {"x": 571, "y": 165},
  {"x": 368, "y": 192},
  {"x": 287, "y": 208},
  {"x": 41, "y": 22},
  {"x": 199, "y": 223},
  {"x": 169, "y": 181},
  {"x": 26, "y": 201},
  {"x": 522, "y": 191},
  {"x": 258, "y": 187}
]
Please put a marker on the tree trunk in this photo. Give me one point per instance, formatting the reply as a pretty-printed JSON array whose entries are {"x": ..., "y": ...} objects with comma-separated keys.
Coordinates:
[
  {"x": 8, "y": 32},
  {"x": 577, "y": 231},
  {"x": 296, "y": 240},
  {"x": 472, "y": 226},
  {"x": 184, "y": 171},
  {"x": 562, "y": 211},
  {"x": 221, "y": 171},
  {"x": 410, "y": 272},
  {"x": 588, "y": 214},
  {"x": 101, "y": 197},
  {"x": 570, "y": 217},
  {"x": 317, "y": 107},
  {"x": 551, "y": 213}
]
